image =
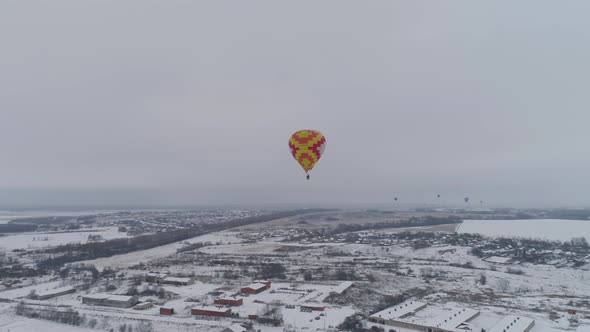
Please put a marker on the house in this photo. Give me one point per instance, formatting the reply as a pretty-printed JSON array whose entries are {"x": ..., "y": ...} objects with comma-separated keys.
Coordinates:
[
  {"x": 166, "y": 311},
  {"x": 110, "y": 300},
  {"x": 211, "y": 311},
  {"x": 44, "y": 295},
  {"x": 255, "y": 288},
  {"x": 229, "y": 301}
]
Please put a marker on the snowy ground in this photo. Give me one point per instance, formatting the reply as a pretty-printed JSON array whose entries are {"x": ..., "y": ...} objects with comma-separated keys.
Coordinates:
[{"x": 549, "y": 229}]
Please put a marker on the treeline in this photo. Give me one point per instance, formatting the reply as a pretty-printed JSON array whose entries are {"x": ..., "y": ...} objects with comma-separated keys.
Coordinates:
[
  {"x": 351, "y": 228},
  {"x": 60, "y": 315},
  {"x": 77, "y": 252},
  {"x": 411, "y": 222}
]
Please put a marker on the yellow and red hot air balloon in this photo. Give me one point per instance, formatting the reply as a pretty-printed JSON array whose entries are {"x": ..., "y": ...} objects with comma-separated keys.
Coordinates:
[{"x": 307, "y": 147}]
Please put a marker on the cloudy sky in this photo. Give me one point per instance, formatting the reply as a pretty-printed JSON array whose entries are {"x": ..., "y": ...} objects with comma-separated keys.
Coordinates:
[{"x": 192, "y": 102}]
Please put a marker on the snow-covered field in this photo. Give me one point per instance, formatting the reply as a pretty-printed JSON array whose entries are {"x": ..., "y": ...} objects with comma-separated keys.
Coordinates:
[
  {"x": 549, "y": 229},
  {"x": 35, "y": 240}
]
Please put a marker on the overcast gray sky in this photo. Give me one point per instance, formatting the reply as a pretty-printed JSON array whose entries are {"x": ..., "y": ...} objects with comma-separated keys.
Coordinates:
[{"x": 192, "y": 102}]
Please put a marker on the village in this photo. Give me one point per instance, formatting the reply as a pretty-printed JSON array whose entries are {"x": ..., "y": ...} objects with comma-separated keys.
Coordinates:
[{"x": 295, "y": 274}]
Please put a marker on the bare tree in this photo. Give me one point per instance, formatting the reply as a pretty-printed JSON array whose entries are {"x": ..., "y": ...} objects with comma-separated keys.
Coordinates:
[{"x": 503, "y": 285}]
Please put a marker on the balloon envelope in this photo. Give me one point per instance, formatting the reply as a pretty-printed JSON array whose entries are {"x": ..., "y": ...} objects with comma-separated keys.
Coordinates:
[{"x": 307, "y": 147}]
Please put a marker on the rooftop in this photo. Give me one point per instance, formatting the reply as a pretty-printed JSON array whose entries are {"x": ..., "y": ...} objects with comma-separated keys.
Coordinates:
[
  {"x": 112, "y": 297},
  {"x": 342, "y": 287},
  {"x": 256, "y": 286},
  {"x": 399, "y": 311},
  {"x": 513, "y": 324},
  {"x": 212, "y": 308},
  {"x": 451, "y": 320},
  {"x": 55, "y": 291}
]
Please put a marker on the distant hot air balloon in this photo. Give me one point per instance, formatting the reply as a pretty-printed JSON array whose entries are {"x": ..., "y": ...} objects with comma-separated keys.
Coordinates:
[
  {"x": 395, "y": 199},
  {"x": 438, "y": 196},
  {"x": 307, "y": 147},
  {"x": 466, "y": 199}
]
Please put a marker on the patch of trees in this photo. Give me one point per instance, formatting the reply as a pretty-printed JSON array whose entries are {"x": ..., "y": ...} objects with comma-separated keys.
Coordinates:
[
  {"x": 352, "y": 323},
  {"x": 60, "y": 315},
  {"x": 76, "y": 252},
  {"x": 272, "y": 271}
]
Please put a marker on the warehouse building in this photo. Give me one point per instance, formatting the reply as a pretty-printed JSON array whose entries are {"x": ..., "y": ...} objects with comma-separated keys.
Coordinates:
[
  {"x": 256, "y": 287},
  {"x": 393, "y": 316},
  {"x": 48, "y": 294},
  {"x": 229, "y": 301},
  {"x": 211, "y": 311},
  {"x": 110, "y": 300}
]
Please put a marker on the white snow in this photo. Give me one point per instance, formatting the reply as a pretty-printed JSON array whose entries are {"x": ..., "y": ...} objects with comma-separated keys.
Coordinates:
[{"x": 549, "y": 229}]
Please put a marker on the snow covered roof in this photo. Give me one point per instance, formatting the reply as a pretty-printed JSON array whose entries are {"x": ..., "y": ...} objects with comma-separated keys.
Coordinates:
[
  {"x": 342, "y": 287},
  {"x": 256, "y": 286},
  {"x": 399, "y": 311},
  {"x": 235, "y": 328},
  {"x": 451, "y": 320},
  {"x": 55, "y": 291},
  {"x": 97, "y": 296},
  {"x": 212, "y": 308},
  {"x": 111, "y": 297},
  {"x": 514, "y": 324}
]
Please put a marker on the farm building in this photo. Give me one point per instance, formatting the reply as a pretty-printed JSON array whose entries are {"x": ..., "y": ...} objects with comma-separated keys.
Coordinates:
[
  {"x": 211, "y": 311},
  {"x": 255, "y": 288},
  {"x": 109, "y": 300},
  {"x": 451, "y": 321},
  {"x": 166, "y": 311},
  {"x": 44, "y": 295},
  {"x": 235, "y": 328},
  {"x": 341, "y": 288},
  {"x": 177, "y": 281},
  {"x": 392, "y": 316},
  {"x": 230, "y": 301},
  {"x": 160, "y": 278},
  {"x": 514, "y": 324}
]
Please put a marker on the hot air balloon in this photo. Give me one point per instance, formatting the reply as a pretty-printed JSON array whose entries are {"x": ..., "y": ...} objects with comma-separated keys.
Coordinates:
[
  {"x": 307, "y": 147},
  {"x": 466, "y": 199},
  {"x": 438, "y": 196},
  {"x": 395, "y": 199}
]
